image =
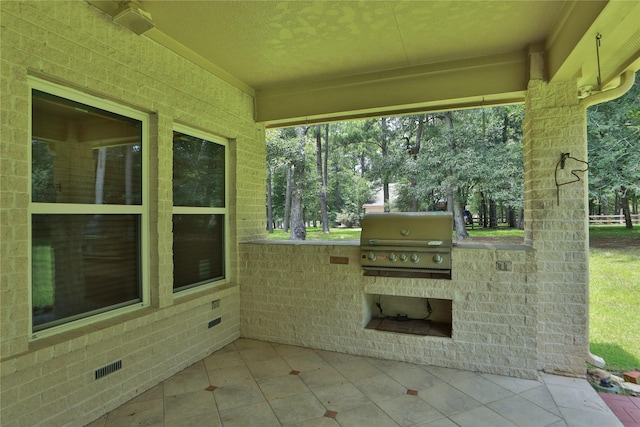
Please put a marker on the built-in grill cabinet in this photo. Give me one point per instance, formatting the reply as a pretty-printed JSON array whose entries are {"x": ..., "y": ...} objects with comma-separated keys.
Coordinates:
[{"x": 407, "y": 244}]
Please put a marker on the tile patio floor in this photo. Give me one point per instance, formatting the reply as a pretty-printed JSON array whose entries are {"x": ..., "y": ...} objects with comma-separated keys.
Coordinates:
[{"x": 255, "y": 383}]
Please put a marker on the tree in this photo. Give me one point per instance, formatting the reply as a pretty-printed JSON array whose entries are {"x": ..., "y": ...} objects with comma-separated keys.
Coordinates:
[
  {"x": 321, "y": 167},
  {"x": 613, "y": 132},
  {"x": 463, "y": 157}
]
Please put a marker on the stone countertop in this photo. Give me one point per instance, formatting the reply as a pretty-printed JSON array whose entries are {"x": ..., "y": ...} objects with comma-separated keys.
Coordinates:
[{"x": 356, "y": 243}]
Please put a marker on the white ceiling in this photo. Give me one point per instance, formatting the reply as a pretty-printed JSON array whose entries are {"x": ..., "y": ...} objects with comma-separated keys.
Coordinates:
[{"x": 318, "y": 60}]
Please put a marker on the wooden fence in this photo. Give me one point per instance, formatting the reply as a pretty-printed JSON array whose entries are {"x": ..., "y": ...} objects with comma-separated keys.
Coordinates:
[{"x": 612, "y": 219}]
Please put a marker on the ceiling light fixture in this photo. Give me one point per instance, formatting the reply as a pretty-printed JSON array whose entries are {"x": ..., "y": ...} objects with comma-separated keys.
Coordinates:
[{"x": 131, "y": 15}]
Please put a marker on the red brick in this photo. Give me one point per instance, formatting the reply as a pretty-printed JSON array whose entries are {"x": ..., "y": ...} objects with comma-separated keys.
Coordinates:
[{"x": 632, "y": 377}]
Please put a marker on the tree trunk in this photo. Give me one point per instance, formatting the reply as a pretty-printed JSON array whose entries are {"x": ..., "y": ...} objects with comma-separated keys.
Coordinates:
[
  {"x": 483, "y": 211},
  {"x": 287, "y": 202},
  {"x": 511, "y": 217},
  {"x": 624, "y": 201},
  {"x": 101, "y": 168},
  {"x": 493, "y": 217},
  {"x": 298, "y": 229},
  {"x": 322, "y": 185},
  {"x": 452, "y": 203},
  {"x": 385, "y": 153},
  {"x": 414, "y": 152},
  {"x": 521, "y": 219},
  {"x": 269, "y": 204}
]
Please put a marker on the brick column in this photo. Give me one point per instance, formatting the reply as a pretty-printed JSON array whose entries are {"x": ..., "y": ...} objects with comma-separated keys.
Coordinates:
[{"x": 556, "y": 222}]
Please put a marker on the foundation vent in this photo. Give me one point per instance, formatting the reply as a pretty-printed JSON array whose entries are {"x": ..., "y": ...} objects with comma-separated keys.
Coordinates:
[{"x": 109, "y": 369}]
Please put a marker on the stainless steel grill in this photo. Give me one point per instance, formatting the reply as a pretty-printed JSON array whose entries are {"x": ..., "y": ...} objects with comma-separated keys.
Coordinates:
[{"x": 409, "y": 244}]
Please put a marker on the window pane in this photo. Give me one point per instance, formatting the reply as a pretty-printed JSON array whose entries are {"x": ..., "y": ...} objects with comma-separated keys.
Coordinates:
[
  {"x": 198, "y": 249},
  {"x": 83, "y": 265},
  {"x": 198, "y": 172},
  {"x": 82, "y": 154}
]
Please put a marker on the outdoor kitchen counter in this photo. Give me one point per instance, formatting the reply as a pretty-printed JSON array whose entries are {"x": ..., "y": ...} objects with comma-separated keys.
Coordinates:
[
  {"x": 460, "y": 245},
  {"x": 314, "y": 294}
]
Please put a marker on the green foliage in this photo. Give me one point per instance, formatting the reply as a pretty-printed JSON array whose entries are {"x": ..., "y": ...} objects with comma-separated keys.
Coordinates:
[
  {"x": 482, "y": 152},
  {"x": 42, "y": 172},
  {"x": 348, "y": 219},
  {"x": 198, "y": 172},
  {"x": 613, "y": 132}
]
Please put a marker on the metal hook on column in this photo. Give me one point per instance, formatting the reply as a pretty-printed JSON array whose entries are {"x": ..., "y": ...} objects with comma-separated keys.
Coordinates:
[{"x": 574, "y": 172}]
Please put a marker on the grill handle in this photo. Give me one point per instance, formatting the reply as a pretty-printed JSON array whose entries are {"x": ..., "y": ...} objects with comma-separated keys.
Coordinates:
[{"x": 416, "y": 243}]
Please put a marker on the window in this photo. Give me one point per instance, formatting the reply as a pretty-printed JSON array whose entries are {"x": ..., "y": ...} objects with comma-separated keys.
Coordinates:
[
  {"x": 87, "y": 206},
  {"x": 200, "y": 209}
]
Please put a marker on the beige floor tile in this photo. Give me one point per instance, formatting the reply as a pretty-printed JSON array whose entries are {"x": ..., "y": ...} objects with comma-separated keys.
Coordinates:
[
  {"x": 306, "y": 362},
  {"x": 100, "y": 422},
  {"x": 211, "y": 419},
  {"x": 580, "y": 398},
  {"x": 587, "y": 418},
  {"x": 514, "y": 385},
  {"x": 442, "y": 422},
  {"x": 447, "y": 374},
  {"x": 145, "y": 413},
  {"x": 156, "y": 392},
  {"x": 409, "y": 410},
  {"x": 386, "y": 365},
  {"x": 259, "y": 415},
  {"x": 254, "y": 383},
  {"x": 236, "y": 395},
  {"x": 412, "y": 376},
  {"x": 480, "y": 389},
  {"x": 269, "y": 368},
  {"x": 297, "y": 408},
  {"x": 481, "y": 417},
  {"x": 227, "y": 359},
  {"x": 540, "y": 396},
  {"x": 334, "y": 357},
  {"x": 341, "y": 397},
  {"x": 250, "y": 344},
  {"x": 318, "y": 422},
  {"x": 194, "y": 378},
  {"x": 368, "y": 415},
  {"x": 282, "y": 386},
  {"x": 523, "y": 412},
  {"x": 356, "y": 369},
  {"x": 447, "y": 399},
  {"x": 188, "y": 404},
  {"x": 230, "y": 375},
  {"x": 322, "y": 377},
  {"x": 260, "y": 354},
  {"x": 381, "y": 387},
  {"x": 287, "y": 351}
]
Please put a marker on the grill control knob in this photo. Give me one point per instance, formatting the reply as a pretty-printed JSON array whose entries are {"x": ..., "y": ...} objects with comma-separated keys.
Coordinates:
[
  {"x": 393, "y": 257},
  {"x": 372, "y": 256},
  {"x": 415, "y": 258},
  {"x": 437, "y": 259},
  {"x": 404, "y": 257}
]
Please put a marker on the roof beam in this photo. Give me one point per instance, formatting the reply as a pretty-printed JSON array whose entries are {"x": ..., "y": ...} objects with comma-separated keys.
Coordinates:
[{"x": 497, "y": 79}]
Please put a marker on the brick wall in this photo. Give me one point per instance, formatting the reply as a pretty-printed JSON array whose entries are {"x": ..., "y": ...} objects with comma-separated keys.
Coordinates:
[
  {"x": 305, "y": 300},
  {"x": 50, "y": 381},
  {"x": 556, "y": 223}
]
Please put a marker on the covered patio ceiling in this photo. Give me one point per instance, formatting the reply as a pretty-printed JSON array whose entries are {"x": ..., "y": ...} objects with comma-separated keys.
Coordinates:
[{"x": 311, "y": 61}]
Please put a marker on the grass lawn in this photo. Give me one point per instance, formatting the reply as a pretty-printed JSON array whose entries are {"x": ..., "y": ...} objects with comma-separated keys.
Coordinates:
[
  {"x": 614, "y": 315},
  {"x": 42, "y": 294},
  {"x": 614, "y": 264}
]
